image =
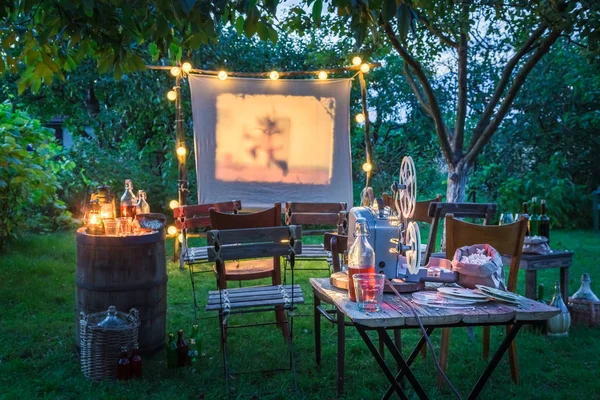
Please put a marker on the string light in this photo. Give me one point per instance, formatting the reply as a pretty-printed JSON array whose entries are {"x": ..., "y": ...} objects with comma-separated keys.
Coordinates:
[
  {"x": 175, "y": 71},
  {"x": 181, "y": 151},
  {"x": 172, "y": 95},
  {"x": 360, "y": 118},
  {"x": 173, "y": 204},
  {"x": 365, "y": 68},
  {"x": 322, "y": 75},
  {"x": 367, "y": 167},
  {"x": 172, "y": 230},
  {"x": 274, "y": 75},
  {"x": 356, "y": 61},
  {"x": 180, "y": 238},
  {"x": 222, "y": 75},
  {"x": 186, "y": 67}
]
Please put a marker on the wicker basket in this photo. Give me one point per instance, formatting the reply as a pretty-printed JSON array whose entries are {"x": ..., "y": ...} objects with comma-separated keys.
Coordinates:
[
  {"x": 101, "y": 347},
  {"x": 585, "y": 312}
]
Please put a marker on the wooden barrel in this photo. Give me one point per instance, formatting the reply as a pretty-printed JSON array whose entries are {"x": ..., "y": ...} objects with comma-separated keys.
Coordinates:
[{"x": 125, "y": 272}]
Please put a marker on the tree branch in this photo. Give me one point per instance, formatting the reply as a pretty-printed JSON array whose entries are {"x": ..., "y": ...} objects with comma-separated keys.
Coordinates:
[
  {"x": 441, "y": 129},
  {"x": 461, "y": 106},
  {"x": 411, "y": 81},
  {"x": 436, "y": 32},
  {"x": 503, "y": 83},
  {"x": 512, "y": 93}
]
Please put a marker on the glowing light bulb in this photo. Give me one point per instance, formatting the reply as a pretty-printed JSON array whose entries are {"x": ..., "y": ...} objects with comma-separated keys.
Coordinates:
[
  {"x": 181, "y": 151},
  {"x": 274, "y": 75},
  {"x": 93, "y": 219},
  {"x": 186, "y": 67},
  {"x": 365, "y": 68},
  {"x": 322, "y": 75},
  {"x": 356, "y": 61},
  {"x": 367, "y": 167},
  {"x": 180, "y": 238},
  {"x": 172, "y": 95},
  {"x": 173, "y": 204},
  {"x": 172, "y": 230},
  {"x": 222, "y": 75},
  {"x": 175, "y": 71},
  {"x": 360, "y": 118}
]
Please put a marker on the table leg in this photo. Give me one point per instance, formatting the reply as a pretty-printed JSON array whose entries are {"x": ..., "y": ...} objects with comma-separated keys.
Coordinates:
[
  {"x": 384, "y": 368},
  {"x": 413, "y": 355},
  {"x": 531, "y": 284},
  {"x": 341, "y": 351},
  {"x": 564, "y": 283},
  {"x": 317, "y": 326},
  {"x": 510, "y": 336}
]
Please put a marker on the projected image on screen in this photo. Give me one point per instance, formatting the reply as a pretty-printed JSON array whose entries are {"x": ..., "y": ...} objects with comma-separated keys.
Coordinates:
[{"x": 274, "y": 138}]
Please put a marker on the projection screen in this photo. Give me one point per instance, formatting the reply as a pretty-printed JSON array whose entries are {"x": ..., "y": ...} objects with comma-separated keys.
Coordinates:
[{"x": 262, "y": 141}]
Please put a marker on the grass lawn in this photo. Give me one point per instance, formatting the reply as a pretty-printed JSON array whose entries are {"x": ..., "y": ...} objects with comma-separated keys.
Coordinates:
[{"x": 38, "y": 357}]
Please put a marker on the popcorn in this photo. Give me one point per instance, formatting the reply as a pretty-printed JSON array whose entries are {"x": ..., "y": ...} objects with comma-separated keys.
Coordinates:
[{"x": 478, "y": 258}]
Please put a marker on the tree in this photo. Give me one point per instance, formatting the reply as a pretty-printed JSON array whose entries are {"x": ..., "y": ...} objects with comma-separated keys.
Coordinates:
[
  {"x": 43, "y": 39},
  {"x": 448, "y": 39}
]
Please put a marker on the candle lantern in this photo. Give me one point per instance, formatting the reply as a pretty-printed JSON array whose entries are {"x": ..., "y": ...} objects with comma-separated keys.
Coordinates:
[{"x": 94, "y": 220}]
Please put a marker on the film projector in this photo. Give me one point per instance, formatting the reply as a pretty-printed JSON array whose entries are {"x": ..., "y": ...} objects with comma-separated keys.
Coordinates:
[{"x": 396, "y": 239}]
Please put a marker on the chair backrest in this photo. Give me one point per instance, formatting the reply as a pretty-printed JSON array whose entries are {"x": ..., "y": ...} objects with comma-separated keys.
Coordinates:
[
  {"x": 507, "y": 239},
  {"x": 437, "y": 211},
  {"x": 197, "y": 216},
  {"x": 302, "y": 213},
  {"x": 237, "y": 244},
  {"x": 261, "y": 219},
  {"x": 336, "y": 244},
  {"x": 421, "y": 213}
]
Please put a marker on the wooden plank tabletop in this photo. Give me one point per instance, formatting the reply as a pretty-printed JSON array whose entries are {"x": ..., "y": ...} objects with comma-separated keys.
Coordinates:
[{"x": 395, "y": 313}]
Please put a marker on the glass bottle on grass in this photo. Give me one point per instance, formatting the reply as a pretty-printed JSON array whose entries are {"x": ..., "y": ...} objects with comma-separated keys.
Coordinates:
[
  {"x": 361, "y": 256},
  {"x": 182, "y": 350},
  {"x": 136, "y": 363},
  {"x": 172, "y": 352},
  {"x": 128, "y": 200},
  {"x": 193, "y": 356},
  {"x": 196, "y": 336},
  {"x": 123, "y": 366},
  {"x": 534, "y": 221}
]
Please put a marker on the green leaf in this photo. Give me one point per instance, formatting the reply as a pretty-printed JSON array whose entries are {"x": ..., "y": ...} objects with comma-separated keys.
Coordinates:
[
  {"x": 262, "y": 30},
  {"x": 317, "y": 10},
  {"x": 154, "y": 52},
  {"x": 405, "y": 21},
  {"x": 239, "y": 25},
  {"x": 88, "y": 7},
  {"x": 187, "y": 5},
  {"x": 250, "y": 25},
  {"x": 389, "y": 10},
  {"x": 273, "y": 36}
]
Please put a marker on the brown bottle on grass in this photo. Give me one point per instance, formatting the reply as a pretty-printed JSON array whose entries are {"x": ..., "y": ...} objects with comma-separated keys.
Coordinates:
[{"x": 182, "y": 350}]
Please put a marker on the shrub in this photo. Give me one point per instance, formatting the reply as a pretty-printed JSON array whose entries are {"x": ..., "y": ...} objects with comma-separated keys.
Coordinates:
[{"x": 28, "y": 187}]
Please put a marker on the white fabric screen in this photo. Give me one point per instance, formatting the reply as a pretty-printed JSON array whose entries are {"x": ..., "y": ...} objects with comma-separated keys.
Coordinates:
[{"x": 262, "y": 141}]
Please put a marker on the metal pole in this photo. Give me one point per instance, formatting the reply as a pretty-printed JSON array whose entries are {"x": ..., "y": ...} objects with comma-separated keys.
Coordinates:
[
  {"x": 182, "y": 175},
  {"x": 365, "y": 110}
]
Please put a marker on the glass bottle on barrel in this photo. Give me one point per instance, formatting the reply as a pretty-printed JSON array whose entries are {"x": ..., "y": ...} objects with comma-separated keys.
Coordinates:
[
  {"x": 128, "y": 200},
  {"x": 544, "y": 226},
  {"x": 361, "y": 256}
]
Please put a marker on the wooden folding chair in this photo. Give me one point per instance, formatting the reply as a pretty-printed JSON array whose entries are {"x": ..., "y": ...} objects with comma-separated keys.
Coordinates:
[
  {"x": 317, "y": 215},
  {"x": 197, "y": 217},
  {"x": 507, "y": 240},
  {"x": 230, "y": 245},
  {"x": 437, "y": 211}
]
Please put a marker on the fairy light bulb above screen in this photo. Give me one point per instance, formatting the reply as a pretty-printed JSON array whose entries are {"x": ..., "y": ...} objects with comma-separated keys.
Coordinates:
[
  {"x": 274, "y": 75},
  {"x": 175, "y": 71},
  {"x": 322, "y": 75},
  {"x": 356, "y": 61},
  {"x": 222, "y": 75}
]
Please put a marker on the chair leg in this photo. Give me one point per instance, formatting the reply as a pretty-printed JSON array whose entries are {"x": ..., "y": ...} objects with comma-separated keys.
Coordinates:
[
  {"x": 444, "y": 347},
  {"x": 486, "y": 342},
  {"x": 341, "y": 351},
  {"x": 223, "y": 331},
  {"x": 317, "y": 321},
  {"x": 285, "y": 270},
  {"x": 513, "y": 360}
]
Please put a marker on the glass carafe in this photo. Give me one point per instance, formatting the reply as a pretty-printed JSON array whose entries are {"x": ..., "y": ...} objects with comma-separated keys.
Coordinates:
[
  {"x": 361, "y": 256},
  {"x": 585, "y": 291}
]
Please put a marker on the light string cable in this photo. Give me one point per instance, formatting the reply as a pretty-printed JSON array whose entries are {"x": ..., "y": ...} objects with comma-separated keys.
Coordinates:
[{"x": 426, "y": 336}]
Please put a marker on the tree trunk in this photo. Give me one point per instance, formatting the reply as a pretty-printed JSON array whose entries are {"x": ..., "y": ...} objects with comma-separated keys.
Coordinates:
[{"x": 457, "y": 182}]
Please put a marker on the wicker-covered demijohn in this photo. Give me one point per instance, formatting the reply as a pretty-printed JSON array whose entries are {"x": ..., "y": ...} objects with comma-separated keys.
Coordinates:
[{"x": 102, "y": 335}]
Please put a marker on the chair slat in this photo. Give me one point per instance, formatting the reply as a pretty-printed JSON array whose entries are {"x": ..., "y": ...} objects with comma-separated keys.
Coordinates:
[
  {"x": 253, "y": 291},
  {"x": 253, "y": 250},
  {"x": 313, "y": 219},
  {"x": 304, "y": 207},
  {"x": 202, "y": 209},
  {"x": 252, "y": 235},
  {"x": 258, "y": 303}
]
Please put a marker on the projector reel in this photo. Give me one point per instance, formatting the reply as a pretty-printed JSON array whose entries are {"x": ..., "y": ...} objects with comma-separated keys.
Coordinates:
[
  {"x": 405, "y": 190},
  {"x": 413, "y": 247}
]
